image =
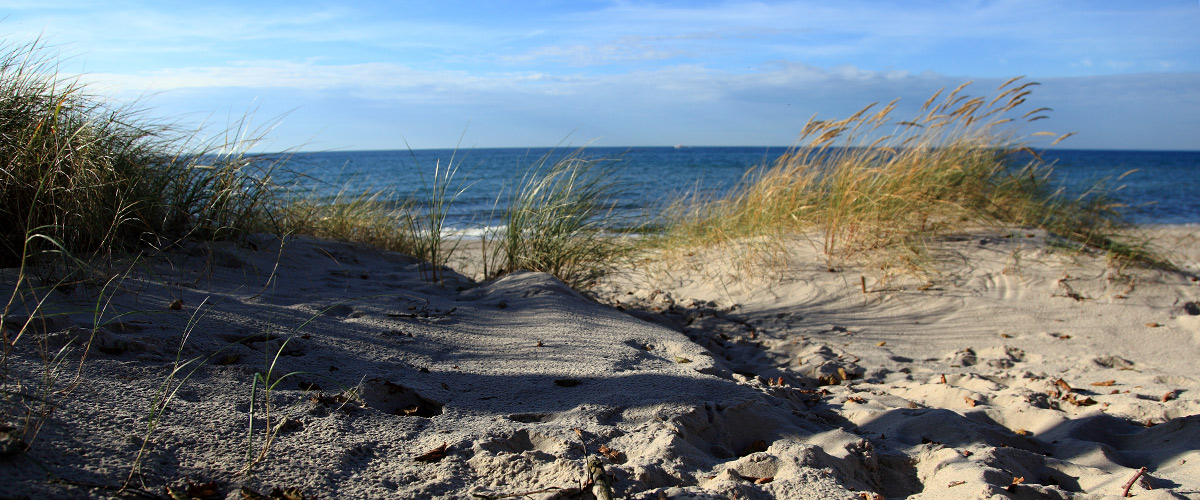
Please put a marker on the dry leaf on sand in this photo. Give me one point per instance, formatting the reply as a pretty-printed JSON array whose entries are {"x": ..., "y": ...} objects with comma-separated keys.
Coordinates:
[{"x": 433, "y": 455}]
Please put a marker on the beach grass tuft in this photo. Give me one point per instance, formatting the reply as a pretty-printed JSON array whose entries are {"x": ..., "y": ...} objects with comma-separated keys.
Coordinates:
[
  {"x": 877, "y": 188},
  {"x": 364, "y": 217},
  {"x": 83, "y": 177},
  {"x": 558, "y": 219},
  {"x": 425, "y": 216}
]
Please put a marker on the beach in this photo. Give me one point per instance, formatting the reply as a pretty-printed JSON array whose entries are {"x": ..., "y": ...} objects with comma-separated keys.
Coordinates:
[
  {"x": 1021, "y": 368},
  {"x": 937, "y": 295}
]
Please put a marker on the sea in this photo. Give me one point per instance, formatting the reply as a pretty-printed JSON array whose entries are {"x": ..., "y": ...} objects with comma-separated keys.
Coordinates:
[{"x": 1153, "y": 187}]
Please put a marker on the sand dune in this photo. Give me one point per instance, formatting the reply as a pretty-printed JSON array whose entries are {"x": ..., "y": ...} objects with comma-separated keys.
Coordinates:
[{"x": 1023, "y": 370}]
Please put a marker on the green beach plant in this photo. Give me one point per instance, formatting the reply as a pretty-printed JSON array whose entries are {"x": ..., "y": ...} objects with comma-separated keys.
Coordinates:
[
  {"x": 425, "y": 216},
  {"x": 99, "y": 180},
  {"x": 559, "y": 219},
  {"x": 61, "y": 158},
  {"x": 260, "y": 403},
  {"x": 29, "y": 399},
  {"x": 264, "y": 384},
  {"x": 180, "y": 371},
  {"x": 61, "y": 347}
]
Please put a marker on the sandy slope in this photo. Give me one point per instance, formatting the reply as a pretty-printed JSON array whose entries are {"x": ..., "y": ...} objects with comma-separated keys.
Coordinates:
[{"x": 798, "y": 386}]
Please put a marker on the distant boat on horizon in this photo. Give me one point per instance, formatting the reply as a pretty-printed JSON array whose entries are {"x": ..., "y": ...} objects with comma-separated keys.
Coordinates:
[{"x": 680, "y": 146}]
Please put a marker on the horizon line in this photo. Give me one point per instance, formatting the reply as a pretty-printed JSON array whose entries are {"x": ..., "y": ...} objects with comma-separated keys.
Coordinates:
[{"x": 677, "y": 147}]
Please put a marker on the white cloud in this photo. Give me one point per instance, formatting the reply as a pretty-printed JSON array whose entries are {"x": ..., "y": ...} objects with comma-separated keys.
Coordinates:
[
  {"x": 628, "y": 66},
  {"x": 685, "y": 82},
  {"x": 620, "y": 51}
]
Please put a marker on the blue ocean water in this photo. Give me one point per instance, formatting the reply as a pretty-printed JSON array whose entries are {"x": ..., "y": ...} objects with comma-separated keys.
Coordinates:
[{"x": 1158, "y": 187}]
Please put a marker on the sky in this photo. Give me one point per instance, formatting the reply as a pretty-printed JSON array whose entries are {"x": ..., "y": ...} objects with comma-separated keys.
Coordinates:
[{"x": 362, "y": 75}]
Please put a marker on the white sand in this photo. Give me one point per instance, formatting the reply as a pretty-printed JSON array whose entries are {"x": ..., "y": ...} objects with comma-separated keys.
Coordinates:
[{"x": 524, "y": 378}]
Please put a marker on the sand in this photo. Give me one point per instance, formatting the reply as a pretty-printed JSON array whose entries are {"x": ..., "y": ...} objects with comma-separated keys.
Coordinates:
[{"x": 1022, "y": 370}]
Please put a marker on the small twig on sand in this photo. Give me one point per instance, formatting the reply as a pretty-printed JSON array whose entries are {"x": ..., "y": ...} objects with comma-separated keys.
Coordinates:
[
  {"x": 118, "y": 490},
  {"x": 862, "y": 280},
  {"x": 1132, "y": 480},
  {"x": 515, "y": 495},
  {"x": 424, "y": 314}
]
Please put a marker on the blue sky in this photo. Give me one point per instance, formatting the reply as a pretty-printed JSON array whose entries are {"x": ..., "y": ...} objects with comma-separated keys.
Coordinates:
[{"x": 373, "y": 75}]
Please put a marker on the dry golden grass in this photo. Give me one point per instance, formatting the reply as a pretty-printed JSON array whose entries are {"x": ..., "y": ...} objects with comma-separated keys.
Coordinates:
[{"x": 872, "y": 187}]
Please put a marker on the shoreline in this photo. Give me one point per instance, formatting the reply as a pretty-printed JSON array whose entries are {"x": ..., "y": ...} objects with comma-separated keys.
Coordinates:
[{"x": 1024, "y": 361}]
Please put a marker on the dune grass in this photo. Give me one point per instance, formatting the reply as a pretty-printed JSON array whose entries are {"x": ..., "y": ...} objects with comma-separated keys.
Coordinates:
[
  {"x": 558, "y": 219},
  {"x": 363, "y": 217},
  {"x": 425, "y": 216},
  {"x": 876, "y": 188},
  {"x": 82, "y": 177}
]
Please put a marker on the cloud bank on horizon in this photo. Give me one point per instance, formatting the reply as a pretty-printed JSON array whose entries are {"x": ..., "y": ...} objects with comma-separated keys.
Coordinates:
[{"x": 378, "y": 75}]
